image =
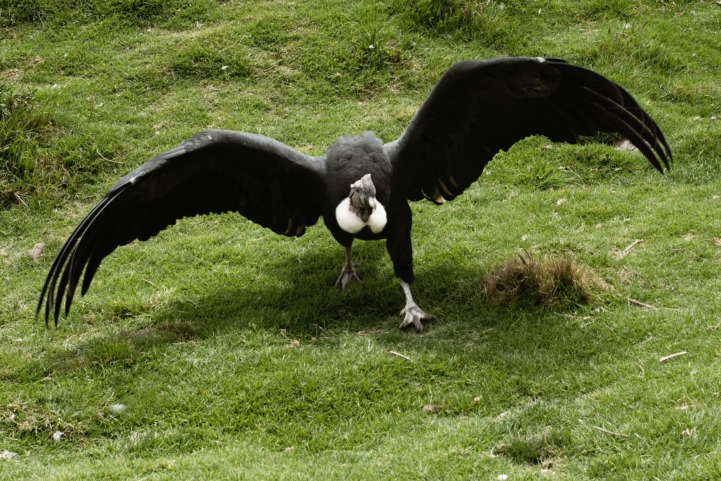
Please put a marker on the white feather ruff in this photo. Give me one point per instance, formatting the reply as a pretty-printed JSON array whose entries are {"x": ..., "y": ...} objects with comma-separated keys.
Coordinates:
[
  {"x": 351, "y": 223},
  {"x": 347, "y": 219},
  {"x": 377, "y": 220}
]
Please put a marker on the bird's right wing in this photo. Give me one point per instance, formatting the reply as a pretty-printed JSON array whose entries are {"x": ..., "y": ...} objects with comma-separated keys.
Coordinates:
[{"x": 215, "y": 171}]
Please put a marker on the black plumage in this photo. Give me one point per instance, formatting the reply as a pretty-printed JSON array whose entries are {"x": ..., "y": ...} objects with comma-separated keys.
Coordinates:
[{"x": 477, "y": 109}]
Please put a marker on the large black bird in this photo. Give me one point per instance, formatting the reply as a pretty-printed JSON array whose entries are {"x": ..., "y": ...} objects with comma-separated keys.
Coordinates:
[{"x": 361, "y": 187}]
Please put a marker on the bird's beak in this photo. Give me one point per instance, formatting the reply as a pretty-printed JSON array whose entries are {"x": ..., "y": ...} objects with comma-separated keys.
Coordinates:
[
  {"x": 362, "y": 197},
  {"x": 370, "y": 206},
  {"x": 363, "y": 204},
  {"x": 365, "y": 208}
]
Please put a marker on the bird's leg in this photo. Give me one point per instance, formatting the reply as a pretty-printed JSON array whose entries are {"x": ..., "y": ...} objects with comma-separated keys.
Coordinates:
[
  {"x": 348, "y": 273},
  {"x": 413, "y": 314}
]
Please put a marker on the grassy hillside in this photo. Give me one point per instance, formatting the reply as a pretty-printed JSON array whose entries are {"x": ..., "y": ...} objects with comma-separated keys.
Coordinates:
[{"x": 230, "y": 350}]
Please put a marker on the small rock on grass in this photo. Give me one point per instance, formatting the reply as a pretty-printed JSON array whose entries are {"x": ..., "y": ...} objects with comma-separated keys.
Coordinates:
[
  {"x": 36, "y": 251},
  {"x": 625, "y": 144},
  {"x": 7, "y": 454}
]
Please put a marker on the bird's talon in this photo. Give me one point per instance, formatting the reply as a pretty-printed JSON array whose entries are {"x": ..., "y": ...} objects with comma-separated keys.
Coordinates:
[
  {"x": 347, "y": 275},
  {"x": 413, "y": 317}
]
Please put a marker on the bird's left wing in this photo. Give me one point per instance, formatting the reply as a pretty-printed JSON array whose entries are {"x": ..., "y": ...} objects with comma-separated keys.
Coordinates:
[
  {"x": 481, "y": 107},
  {"x": 215, "y": 171}
]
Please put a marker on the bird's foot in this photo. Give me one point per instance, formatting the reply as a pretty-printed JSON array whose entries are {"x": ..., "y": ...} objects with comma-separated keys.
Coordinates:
[
  {"x": 346, "y": 276},
  {"x": 413, "y": 317}
]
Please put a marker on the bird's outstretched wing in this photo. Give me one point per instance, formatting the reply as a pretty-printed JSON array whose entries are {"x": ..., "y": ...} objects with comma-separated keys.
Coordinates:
[
  {"x": 481, "y": 107},
  {"x": 215, "y": 171}
]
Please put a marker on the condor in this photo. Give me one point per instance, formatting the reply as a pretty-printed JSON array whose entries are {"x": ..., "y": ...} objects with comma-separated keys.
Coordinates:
[{"x": 361, "y": 187}]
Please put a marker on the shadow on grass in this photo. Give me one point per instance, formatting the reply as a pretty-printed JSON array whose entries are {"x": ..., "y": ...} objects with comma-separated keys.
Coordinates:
[
  {"x": 298, "y": 297},
  {"x": 512, "y": 355}
]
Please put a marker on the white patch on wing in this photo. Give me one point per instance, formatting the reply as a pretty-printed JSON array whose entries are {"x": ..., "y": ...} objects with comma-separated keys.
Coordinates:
[
  {"x": 444, "y": 188},
  {"x": 347, "y": 219},
  {"x": 377, "y": 220}
]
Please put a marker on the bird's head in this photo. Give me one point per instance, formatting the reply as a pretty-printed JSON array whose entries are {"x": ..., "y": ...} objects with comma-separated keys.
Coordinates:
[{"x": 363, "y": 197}]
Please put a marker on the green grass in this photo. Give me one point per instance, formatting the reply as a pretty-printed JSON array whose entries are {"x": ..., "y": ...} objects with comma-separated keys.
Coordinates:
[{"x": 235, "y": 356}]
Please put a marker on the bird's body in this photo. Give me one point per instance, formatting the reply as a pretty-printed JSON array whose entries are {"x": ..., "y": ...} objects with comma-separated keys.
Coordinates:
[
  {"x": 361, "y": 187},
  {"x": 347, "y": 161}
]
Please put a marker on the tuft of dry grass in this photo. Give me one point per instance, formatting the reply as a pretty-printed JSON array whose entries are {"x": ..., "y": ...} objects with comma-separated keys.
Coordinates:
[{"x": 551, "y": 282}]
